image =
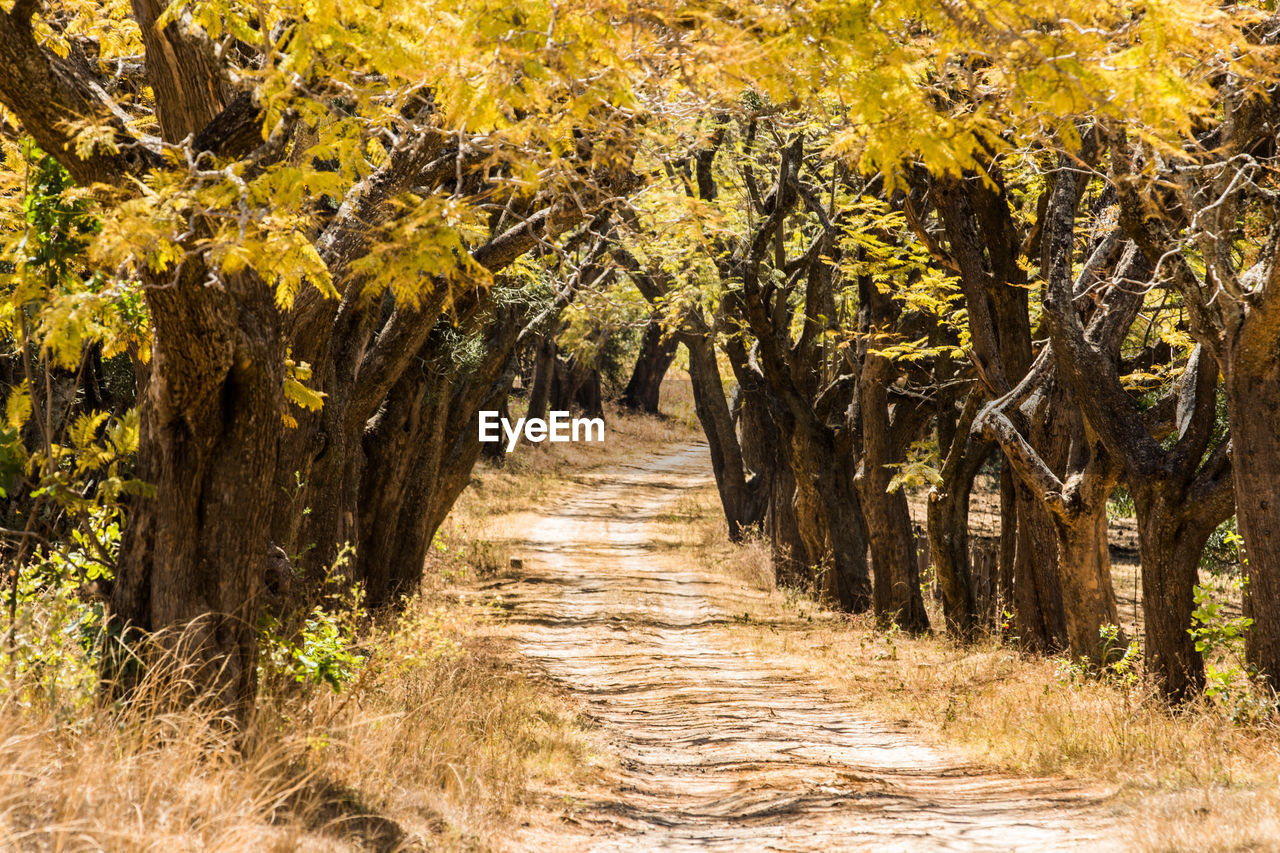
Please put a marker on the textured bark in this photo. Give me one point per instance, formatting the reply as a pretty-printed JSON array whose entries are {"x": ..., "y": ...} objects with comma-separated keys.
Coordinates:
[
  {"x": 193, "y": 556},
  {"x": 1169, "y": 552},
  {"x": 766, "y": 451},
  {"x": 742, "y": 502},
  {"x": 1051, "y": 428},
  {"x": 1253, "y": 407},
  {"x": 189, "y": 88},
  {"x": 419, "y": 451},
  {"x": 830, "y": 518},
  {"x": 892, "y": 542},
  {"x": 1089, "y": 602},
  {"x": 790, "y": 554},
  {"x": 1008, "y": 549},
  {"x": 947, "y": 516},
  {"x": 1037, "y": 599}
]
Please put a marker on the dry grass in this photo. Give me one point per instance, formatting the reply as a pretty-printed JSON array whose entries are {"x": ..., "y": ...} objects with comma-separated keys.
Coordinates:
[
  {"x": 1209, "y": 821},
  {"x": 437, "y": 742},
  {"x": 434, "y": 744},
  {"x": 1206, "y": 781}
]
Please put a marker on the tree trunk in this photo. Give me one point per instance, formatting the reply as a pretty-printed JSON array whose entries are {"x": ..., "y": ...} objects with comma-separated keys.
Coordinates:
[
  {"x": 544, "y": 367},
  {"x": 815, "y": 560},
  {"x": 1084, "y": 561},
  {"x": 1253, "y": 408},
  {"x": 318, "y": 472},
  {"x": 419, "y": 452},
  {"x": 194, "y": 555},
  {"x": 947, "y": 516},
  {"x": 766, "y": 453},
  {"x": 847, "y": 533},
  {"x": 402, "y": 448},
  {"x": 1008, "y": 545},
  {"x": 1037, "y": 596},
  {"x": 743, "y": 505},
  {"x": 897, "y": 595},
  {"x": 1169, "y": 550},
  {"x": 790, "y": 557},
  {"x": 830, "y": 523},
  {"x": 575, "y": 384},
  {"x": 657, "y": 352}
]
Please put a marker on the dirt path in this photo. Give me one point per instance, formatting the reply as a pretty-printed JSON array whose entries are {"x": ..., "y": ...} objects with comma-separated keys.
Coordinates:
[{"x": 719, "y": 749}]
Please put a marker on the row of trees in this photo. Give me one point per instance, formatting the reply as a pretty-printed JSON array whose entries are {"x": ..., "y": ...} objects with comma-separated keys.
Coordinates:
[
  {"x": 316, "y": 239},
  {"x": 880, "y": 336}
]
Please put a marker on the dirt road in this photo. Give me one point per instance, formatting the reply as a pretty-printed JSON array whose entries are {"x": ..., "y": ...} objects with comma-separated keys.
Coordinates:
[{"x": 720, "y": 749}]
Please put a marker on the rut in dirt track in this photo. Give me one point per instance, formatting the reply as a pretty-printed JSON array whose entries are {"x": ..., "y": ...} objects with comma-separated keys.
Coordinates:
[{"x": 720, "y": 749}]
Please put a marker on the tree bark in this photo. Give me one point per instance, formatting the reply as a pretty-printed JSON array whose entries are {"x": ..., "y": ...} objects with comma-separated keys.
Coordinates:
[
  {"x": 947, "y": 516},
  {"x": 1253, "y": 409},
  {"x": 743, "y": 505},
  {"x": 1169, "y": 549},
  {"x": 419, "y": 452},
  {"x": 194, "y": 554},
  {"x": 1089, "y": 601},
  {"x": 892, "y": 542}
]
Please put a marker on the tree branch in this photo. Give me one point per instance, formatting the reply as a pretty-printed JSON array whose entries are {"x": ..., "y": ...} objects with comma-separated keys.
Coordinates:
[
  {"x": 1022, "y": 456},
  {"x": 55, "y": 101}
]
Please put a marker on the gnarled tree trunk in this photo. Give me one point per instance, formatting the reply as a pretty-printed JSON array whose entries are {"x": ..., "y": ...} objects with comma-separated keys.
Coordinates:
[
  {"x": 897, "y": 595},
  {"x": 194, "y": 554}
]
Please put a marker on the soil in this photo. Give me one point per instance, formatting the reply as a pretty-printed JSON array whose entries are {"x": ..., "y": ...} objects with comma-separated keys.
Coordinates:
[{"x": 711, "y": 747}]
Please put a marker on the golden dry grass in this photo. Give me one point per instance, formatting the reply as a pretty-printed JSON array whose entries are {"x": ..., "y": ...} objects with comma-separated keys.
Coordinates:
[{"x": 432, "y": 746}]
